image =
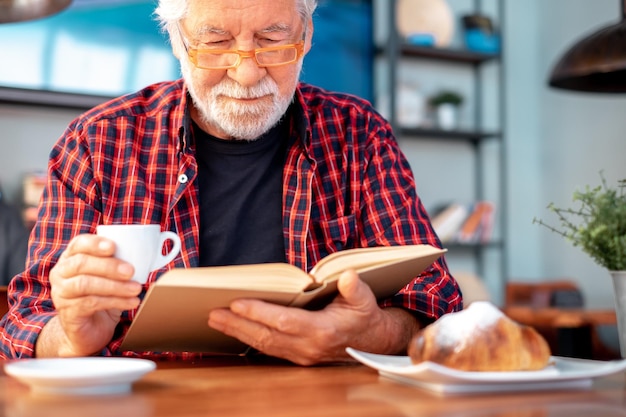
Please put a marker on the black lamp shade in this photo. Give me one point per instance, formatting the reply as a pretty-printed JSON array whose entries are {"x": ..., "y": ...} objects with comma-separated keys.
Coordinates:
[
  {"x": 596, "y": 63},
  {"x": 21, "y": 10}
]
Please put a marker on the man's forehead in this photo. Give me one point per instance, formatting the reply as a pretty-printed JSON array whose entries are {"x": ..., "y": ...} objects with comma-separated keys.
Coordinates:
[{"x": 250, "y": 15}]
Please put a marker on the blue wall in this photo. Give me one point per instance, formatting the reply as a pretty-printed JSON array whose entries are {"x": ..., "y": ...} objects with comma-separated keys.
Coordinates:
[
  {"x": 341, "y": 58},
  {"x": 95, "y": 49},
  {"x": 115, "y": 47}
]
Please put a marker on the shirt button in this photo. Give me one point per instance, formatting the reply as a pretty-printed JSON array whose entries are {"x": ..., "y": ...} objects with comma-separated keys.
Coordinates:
[{"x": 182, "y": 178}]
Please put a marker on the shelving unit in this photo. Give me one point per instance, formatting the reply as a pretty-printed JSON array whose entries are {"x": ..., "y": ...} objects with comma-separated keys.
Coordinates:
[{"x": 395, "y": 52}]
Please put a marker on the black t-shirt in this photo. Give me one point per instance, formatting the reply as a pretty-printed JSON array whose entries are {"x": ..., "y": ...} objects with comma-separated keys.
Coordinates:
[{"x": 241, "y": 186}]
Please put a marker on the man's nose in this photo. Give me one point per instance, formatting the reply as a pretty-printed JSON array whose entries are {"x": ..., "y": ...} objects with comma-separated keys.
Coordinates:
[{"x": 248, "y": 73}]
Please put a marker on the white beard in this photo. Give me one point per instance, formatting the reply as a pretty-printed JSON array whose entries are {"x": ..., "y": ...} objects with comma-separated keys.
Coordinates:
[{"x": 239, "y": 120}]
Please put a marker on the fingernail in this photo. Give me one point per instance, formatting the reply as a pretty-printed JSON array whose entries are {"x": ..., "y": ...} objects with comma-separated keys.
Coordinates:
[
  {"x": 237, "y": 307},
  {"x": 216, "y": 319},
  {"x": 125, "y": 269},
  {"x": 105, "y": 245}
]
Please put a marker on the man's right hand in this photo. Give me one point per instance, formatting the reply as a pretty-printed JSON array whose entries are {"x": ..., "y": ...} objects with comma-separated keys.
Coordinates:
[{"x": 90, "y": 289}]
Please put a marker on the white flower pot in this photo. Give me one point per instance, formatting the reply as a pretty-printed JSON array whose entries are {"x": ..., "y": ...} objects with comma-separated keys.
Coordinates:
[
  {"x": 447, "y": 116},
  {"x": 619, "y": 286}
]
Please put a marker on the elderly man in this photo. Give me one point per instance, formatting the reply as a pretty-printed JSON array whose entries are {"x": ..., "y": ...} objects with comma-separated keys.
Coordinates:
[{"x": 247, "y": 165}]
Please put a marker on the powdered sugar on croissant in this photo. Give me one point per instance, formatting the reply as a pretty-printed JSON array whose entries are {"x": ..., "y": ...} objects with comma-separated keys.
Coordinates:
[{"x": 480, "y": 338}]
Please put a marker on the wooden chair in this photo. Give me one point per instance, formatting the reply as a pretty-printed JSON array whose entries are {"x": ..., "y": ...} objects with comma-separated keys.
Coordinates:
[
  {"x": 556, "y": 310},
  {"x": 4, "y": 304},
  {"x": 559, "y": 293}
]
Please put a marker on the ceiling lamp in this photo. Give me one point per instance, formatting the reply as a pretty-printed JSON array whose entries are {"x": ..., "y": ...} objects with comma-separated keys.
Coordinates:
[
  {"x": 596, "y": 63},
  {"x": 21, "y": 10}
]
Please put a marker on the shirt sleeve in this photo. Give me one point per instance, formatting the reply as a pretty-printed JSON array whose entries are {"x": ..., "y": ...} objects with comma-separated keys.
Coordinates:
[
  {"x": 393, "y": 214},
  {"x": 65, "y": 211}
]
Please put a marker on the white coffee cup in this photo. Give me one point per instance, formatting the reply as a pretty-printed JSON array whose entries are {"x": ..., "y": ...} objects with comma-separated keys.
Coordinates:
[{"x": 141, "y": 245}]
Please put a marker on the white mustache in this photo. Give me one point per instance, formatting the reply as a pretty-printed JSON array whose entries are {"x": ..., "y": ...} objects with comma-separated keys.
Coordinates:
[{"x": 231, "y": 89}]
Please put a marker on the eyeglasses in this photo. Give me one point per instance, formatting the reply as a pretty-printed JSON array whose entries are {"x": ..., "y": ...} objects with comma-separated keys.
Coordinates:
[{"x": 221, "y": 59}]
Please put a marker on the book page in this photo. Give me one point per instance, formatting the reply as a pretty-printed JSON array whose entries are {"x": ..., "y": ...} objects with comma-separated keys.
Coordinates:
[{"x": 329, "y": 268}]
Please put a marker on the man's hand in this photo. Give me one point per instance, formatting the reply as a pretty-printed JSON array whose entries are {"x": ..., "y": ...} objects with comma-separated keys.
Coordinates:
[
  {"x": 309, "y": 337},
  {"x": 90, "y": 289}
]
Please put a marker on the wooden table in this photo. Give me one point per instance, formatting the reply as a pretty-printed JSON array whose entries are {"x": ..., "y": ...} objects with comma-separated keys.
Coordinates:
[
  {"x": 235, "y": 387},
  {"x": 569, "y": 331}
]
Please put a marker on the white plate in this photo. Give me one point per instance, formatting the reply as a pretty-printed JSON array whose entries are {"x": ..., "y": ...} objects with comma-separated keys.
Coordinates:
[
  {"x": 79, "y": 376},
  {"x": 564, "y": 373}
]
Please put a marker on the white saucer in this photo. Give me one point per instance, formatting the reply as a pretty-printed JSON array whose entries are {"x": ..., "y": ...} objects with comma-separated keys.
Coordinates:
[
  {"x": 79, "y": 376},
  {"x": 563, "y": 373}
]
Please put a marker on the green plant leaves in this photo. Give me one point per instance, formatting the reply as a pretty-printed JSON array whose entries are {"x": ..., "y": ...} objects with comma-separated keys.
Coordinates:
[{"x": 597, "y": 225}]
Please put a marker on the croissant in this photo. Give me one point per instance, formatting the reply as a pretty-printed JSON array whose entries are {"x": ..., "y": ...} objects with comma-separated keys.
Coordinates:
[{"x": 480, "y": 338}]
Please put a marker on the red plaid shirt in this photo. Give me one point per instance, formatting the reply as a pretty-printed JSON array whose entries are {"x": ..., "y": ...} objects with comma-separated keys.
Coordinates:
[{"x": 346, "y": 184}]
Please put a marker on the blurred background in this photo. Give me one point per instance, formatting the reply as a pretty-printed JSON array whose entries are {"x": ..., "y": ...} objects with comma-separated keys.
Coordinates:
[{"x": 514, "y": 141}]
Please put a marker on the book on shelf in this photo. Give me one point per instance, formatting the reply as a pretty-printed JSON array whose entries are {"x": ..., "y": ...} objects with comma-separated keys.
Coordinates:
[
  {"x": 448, "y": 220},
  {"x": 487, "y": 222},
  {"x": 174, "y": 313},
  {"x": 478, "y": 226},
  {"x": 465, "y": 223}
]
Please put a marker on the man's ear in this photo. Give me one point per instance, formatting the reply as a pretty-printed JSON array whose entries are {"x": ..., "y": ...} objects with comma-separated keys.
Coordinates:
[{"x": 309, "y": 36}]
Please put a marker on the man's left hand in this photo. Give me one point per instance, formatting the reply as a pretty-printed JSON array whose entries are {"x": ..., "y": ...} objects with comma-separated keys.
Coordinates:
[{"x": 309, "y": 337}]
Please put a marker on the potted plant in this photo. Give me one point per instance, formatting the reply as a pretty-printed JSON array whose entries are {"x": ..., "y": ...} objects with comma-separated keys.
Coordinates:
[
  {"x": 598, "y": 226},
  {"x": 446, "y": 105}
]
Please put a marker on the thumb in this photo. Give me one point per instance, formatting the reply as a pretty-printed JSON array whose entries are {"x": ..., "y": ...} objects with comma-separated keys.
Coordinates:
[{"x": 353, "y": 290}]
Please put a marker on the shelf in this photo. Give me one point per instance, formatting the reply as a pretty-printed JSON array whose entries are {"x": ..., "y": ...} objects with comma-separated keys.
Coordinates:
[
  {"x": 49, "y": 98},
  {"x": 450, "y": 55},
  {"x": 483, "y": 164},
  {"x": 456, "y": 135},
  {"x": 441, "y": 54},
  {"x": 472, "y": 246}
]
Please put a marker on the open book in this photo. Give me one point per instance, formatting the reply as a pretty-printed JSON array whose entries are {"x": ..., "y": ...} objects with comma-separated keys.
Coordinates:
[{"x": 174, "y": 313}]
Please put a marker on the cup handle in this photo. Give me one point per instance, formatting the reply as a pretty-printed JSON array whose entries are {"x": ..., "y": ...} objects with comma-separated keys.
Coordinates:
[{"x": 162, "y": 260}]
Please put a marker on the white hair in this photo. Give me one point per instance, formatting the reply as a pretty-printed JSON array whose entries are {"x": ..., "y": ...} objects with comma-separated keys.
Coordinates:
[{"x": 169, "y": 12}]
